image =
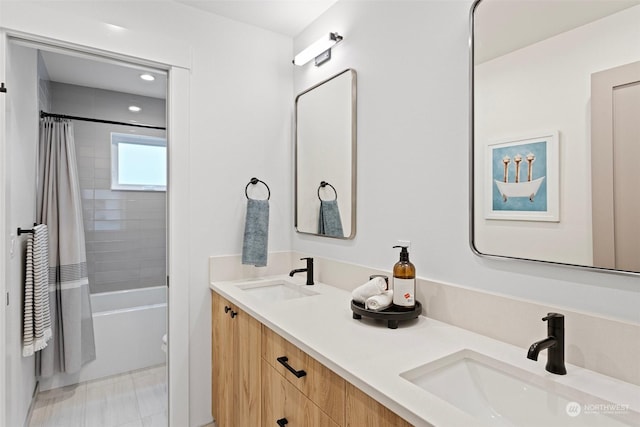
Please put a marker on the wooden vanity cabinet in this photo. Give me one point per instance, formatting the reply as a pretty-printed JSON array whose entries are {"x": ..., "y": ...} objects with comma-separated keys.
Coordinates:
[
  {"x": 363, "y": 411},
  {"x": 235, "y": 365},
  {"x": 251, "y": 387}
]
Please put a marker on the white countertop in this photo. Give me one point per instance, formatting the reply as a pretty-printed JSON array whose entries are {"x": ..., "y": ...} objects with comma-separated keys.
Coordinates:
[{"x": 371, "y": 356}]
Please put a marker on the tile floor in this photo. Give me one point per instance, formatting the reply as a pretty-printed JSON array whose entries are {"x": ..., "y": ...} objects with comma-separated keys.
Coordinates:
[{"x": 133, "y": 399}]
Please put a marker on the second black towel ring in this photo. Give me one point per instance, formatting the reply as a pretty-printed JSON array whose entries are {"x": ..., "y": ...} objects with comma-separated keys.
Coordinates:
[
  {"x": 254, "y": 181},
  {"x": 324, "y": 184}
]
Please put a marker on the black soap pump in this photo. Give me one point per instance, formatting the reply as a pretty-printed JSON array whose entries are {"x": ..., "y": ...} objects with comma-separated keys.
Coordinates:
[{"x": 404, "y": 282}]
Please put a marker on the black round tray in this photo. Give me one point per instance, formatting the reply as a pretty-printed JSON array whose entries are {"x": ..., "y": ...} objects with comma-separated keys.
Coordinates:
[{"x": 391, "y": 316}]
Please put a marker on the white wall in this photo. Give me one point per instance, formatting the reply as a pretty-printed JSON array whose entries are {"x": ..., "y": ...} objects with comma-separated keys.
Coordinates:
[
  {"x": 547, "y": 86},
  {"x": 240, "y": 112},
  {"x": 413, "y": 138},
  {"x": 22, "y": 131}
]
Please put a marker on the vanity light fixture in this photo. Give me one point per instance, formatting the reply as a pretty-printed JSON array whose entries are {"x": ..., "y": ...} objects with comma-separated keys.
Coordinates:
[
  {"x": 134, "y": 108},
  {"x": 320, "y": 50},
  {"x": 147, "y": 77}
]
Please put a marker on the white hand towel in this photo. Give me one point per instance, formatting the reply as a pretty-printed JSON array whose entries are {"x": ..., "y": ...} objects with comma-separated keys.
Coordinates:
[
  {"x": 379, "y": 302},
  {"x": 375, "y": 286}
]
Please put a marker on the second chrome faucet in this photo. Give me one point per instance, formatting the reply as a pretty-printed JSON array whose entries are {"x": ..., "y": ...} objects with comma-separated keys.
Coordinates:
[{"x": 554, "y": 343}]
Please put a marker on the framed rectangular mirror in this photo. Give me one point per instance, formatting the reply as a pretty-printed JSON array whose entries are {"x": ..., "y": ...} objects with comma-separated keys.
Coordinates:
[
  {"x": 325, "y": 158},
  {"x": 555, "y": 132}
]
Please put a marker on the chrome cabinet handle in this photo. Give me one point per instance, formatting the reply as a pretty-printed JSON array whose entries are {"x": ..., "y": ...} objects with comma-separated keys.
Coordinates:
[{"x": 283, "y": 361}]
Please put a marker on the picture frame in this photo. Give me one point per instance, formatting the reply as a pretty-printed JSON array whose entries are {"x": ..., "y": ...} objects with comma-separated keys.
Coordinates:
[{"x": 522, "y": 178}]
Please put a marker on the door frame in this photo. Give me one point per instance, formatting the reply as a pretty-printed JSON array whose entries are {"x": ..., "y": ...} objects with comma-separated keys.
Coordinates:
[
  {"x": 178, "y": 78},
  {"x": 602, "y": 85},
  {"x": 3, "y": 233}
]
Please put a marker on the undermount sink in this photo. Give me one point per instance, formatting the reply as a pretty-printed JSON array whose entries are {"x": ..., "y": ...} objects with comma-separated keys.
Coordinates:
[
  {"x": 277, "y": 290},
  {"x": 500, "y": 394}
]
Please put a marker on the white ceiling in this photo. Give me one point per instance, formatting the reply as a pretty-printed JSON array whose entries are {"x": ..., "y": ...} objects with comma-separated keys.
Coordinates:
[
  {"x": 103, "y": 74},
  {"x": 501, "y": 26},
  {"x": 288, "y": 17},
  {"x": 504, "y": 26}
]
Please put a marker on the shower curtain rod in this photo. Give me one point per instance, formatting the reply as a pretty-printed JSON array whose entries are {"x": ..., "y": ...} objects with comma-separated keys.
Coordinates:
[{"x": 87, "y": 119}]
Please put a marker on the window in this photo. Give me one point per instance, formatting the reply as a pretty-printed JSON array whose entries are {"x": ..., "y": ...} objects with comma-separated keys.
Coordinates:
[{"x": 138, "y": 162}]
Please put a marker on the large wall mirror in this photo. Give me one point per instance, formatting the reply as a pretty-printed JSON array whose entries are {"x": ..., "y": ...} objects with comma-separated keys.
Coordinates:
[
  {"x": 556, "y": 132},
  {"x": 325, "y": 159}
]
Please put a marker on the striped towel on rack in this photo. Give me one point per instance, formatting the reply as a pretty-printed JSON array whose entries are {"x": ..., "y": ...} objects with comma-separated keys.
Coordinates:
[{"x": 37, "y": 317}]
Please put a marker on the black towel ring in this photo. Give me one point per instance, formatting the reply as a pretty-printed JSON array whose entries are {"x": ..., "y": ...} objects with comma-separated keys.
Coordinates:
[
  {"x": 324, "y": 184},
  {"x": 254, "y": 181}
]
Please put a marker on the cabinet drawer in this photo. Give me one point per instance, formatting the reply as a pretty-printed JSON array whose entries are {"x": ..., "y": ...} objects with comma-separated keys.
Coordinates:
[
  {"x": 282, "y": 401},
  {"x": 320, "y": 384}
]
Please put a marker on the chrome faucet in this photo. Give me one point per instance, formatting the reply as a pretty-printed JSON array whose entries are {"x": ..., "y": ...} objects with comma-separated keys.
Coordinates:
[
  {"x": 554, "y": 342},
  {"x": 309, "y": 270}
]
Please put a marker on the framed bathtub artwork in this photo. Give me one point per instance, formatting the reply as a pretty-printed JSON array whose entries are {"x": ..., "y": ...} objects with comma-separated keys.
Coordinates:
[{"x": 522, "y": 178}]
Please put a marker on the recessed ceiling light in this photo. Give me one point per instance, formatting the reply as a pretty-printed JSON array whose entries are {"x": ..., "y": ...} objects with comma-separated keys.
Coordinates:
[
  {"x": 115, "y": 28},
  {"x": 147, "y": 77},
  {"x": 134, "y": 108}
]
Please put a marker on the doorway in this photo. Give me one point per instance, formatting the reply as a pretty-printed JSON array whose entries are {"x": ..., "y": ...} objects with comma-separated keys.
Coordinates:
[
  {"x": 126, "y": 235},
  {"x": 615, "y": 105}
]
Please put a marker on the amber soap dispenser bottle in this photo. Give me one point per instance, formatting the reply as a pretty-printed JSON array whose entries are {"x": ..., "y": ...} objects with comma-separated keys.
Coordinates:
[{"x": 404, "y": 282}]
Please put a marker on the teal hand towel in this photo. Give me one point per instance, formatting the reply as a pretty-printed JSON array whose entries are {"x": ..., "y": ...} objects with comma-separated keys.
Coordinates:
[
  {"x": 329, "y": 222},
  {"x": 256, "y": 233}
]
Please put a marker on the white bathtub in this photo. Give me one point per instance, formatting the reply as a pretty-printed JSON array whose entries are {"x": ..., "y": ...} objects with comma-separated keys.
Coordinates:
[
  {"x": 128, "y": 327},
  {"x": 104, "y": 304}
]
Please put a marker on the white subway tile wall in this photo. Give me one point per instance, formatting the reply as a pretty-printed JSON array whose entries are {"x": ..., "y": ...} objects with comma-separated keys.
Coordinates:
[{"x": 125, "y": 230}]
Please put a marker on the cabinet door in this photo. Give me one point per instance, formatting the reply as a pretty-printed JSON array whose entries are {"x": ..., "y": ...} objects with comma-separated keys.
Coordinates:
[
  {"x": 363, "y": 411},
  {"x": 282, "y": 401},
  {"x": 247, "y": 353},
  {"x": 235, "y": 365},
  {"x": 222, "y": 362}
]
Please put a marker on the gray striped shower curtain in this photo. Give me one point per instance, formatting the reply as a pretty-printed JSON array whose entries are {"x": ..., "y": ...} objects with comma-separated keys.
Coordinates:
[{"x": 59, "y": 206}]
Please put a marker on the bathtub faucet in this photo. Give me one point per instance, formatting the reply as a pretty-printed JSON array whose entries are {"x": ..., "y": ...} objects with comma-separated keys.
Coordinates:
[{"x": 309, "y": 270}]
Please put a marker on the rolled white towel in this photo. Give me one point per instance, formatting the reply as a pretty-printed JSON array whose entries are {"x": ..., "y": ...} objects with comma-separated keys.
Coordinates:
[
  {"x": 375, "y": 286},
  {"x": 379, "y": 302}
]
